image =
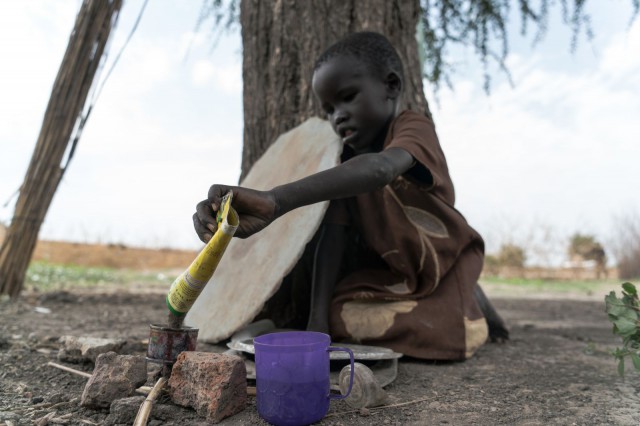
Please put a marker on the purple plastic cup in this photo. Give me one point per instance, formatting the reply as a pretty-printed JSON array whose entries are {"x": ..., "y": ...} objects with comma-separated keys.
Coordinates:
[{"x": 292, "y": 377}]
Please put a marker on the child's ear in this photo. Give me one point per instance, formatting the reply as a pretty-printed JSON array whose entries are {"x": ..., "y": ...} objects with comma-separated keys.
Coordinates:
[{"x": 394, "y": 85}]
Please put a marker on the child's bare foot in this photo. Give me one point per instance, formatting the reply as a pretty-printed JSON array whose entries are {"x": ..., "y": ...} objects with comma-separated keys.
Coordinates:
[{"x": 498, "y": 332}]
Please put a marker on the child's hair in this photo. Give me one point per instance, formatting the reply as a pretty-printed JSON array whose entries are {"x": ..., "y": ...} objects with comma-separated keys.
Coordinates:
[{"x": 373, "y": 49}]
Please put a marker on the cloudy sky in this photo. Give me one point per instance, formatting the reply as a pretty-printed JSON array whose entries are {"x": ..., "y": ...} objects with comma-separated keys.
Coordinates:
[{"x": 555, "y": 154}]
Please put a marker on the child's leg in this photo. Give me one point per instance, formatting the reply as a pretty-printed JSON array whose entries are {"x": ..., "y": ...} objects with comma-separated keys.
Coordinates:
[
  {"x": 497, "y": 329},
  {"x": 327, "y": 261}
]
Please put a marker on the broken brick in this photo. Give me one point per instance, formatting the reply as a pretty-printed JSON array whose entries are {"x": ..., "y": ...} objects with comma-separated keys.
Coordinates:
[
  {"x": 215, "y": 385},
  {"x": 114, "y": 377}
]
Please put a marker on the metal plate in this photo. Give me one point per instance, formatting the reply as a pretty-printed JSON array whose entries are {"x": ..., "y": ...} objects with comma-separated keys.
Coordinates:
[{"x": 360, "y": 352}]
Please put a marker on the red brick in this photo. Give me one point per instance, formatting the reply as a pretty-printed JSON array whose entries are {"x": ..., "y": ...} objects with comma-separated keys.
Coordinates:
[{"x": 215, "y": 385}]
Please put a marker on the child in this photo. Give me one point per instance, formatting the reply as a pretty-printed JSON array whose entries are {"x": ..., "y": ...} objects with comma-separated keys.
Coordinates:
[{"x": 395, "y": 264}]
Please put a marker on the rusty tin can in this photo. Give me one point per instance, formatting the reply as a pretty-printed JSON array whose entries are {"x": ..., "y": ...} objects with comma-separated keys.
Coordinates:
[{"x": 166, "y": 343}]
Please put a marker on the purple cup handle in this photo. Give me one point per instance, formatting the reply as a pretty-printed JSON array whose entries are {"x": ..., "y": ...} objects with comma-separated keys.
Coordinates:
[{"x": 334, "y": 349}]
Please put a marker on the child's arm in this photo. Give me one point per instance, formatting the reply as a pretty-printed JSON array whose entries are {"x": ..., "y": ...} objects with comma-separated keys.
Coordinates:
[
  {"x": 327, "y": 260},
  {"x": 257, "y": 209},
  {"x": 363, "y": 173}
]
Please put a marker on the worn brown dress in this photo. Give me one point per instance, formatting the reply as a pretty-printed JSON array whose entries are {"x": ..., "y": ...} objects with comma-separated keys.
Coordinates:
[{"x": 412, "y": 287}]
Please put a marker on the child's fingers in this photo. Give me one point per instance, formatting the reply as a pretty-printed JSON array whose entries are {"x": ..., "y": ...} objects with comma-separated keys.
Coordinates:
[
  {"x": 205, "y": 212},
  {"x": 202, "y": 230},
  {"x": 204, "y": 220},
  {"x": 216, "y": 192}
]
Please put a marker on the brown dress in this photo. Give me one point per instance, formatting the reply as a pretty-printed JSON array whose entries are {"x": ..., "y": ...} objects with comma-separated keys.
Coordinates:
[{"x": 413, "y": 289}]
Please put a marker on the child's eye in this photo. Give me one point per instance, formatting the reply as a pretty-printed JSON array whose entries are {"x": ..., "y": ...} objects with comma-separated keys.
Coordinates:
[{"x": 350, "y": 96}]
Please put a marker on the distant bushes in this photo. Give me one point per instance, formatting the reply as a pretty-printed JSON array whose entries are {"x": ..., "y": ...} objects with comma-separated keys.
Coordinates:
[
  {"x": 580, "y": 255},
  {"x": 509, "y": 256},
  {"x": 626, "y": 245}
]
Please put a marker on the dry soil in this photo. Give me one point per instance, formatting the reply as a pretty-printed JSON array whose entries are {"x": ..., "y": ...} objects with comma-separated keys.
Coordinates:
[{"x": 555, "y": 370}]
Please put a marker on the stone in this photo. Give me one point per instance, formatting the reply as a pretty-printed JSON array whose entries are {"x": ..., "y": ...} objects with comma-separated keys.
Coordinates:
[
  {"x": 86, "y": 349},
  {"x": 7, "y": 416},
  {"x": 215, "y": 385},
  {"x": 124, "y": 410},
  {"x": 168, "y": 412},
  {"x": 4, "y": 343},
  {"x": 114, "y": 377}
]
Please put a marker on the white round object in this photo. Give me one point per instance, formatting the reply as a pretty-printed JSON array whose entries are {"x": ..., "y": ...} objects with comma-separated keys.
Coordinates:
[{"x": 251, "y": 270}]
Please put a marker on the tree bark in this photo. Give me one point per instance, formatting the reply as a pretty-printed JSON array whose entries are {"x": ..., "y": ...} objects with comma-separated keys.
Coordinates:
[
  {"x": 281, "y": 41},
  {"x": 64, "y": 112}
]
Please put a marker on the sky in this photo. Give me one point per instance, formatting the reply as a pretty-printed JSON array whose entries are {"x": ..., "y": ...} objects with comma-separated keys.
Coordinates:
[{"x": 554, "y": 154}]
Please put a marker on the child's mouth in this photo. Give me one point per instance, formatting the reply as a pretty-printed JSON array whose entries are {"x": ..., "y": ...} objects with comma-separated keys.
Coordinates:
[{"x": 348, "y": 135}]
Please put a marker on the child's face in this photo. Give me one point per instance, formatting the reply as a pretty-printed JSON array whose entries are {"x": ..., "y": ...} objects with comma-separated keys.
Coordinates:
[{"x": 359, "y": 105}]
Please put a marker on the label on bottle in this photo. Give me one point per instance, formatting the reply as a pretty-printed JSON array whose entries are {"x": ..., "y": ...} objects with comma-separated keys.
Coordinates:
[{"x": 187, "y": 287}]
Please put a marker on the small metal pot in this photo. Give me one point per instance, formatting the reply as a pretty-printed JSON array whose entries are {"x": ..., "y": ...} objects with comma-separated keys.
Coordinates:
[{"x": 166, "y": 343}]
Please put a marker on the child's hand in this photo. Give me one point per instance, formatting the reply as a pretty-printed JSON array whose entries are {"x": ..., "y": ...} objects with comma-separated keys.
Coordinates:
[{"x": 256, "y": 209}]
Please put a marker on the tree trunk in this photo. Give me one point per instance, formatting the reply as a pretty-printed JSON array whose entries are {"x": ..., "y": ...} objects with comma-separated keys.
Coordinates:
[
  {"x": 281, "y": 41},
  {"x": 64, "y": 114}
]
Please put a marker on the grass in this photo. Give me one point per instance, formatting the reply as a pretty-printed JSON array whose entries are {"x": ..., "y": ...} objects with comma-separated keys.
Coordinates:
[
  {"x": 44, "y": 276},
  {"x": 520, "y": 287}
]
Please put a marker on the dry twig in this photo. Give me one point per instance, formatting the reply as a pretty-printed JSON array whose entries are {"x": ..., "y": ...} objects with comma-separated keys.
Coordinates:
[
  {"x": 69, "y": 369},
  {"x": 144, "y": 390},
  {"x": 44, "y": 420},
  {"x": 145, "y": 408},
  {"x": 62, "y": 420}
]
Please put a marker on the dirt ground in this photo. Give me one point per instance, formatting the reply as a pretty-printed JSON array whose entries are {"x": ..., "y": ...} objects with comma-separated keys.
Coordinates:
[{"x": 556, "y": 370}]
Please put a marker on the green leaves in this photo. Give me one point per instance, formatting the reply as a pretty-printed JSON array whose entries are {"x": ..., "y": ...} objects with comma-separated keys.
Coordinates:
[
  {"x": 636, "y": 361},
  {"x": 624, "y": 313},
  {"x": 621, "y": 366},
  {"x": 630, "y": 289}
]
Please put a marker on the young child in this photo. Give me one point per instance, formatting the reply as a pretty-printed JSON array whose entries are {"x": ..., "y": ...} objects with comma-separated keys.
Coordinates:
[{"x": 395, "y": 264}]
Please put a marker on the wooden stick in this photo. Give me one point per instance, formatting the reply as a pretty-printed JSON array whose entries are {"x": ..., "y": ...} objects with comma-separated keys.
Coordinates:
[
  {"x": 145, "y": 408},
  {"x": 144, "y": 390},
  {"x": 61, "y": 128},
  {"x": 69, "y": 369}
]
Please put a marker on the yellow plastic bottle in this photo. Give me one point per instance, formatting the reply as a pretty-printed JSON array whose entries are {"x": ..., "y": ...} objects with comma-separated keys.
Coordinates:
[{"x": 187, "y": 287}]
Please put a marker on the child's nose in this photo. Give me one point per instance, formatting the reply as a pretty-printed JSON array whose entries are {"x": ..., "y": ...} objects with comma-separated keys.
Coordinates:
[{"x": 340, "y": 116}]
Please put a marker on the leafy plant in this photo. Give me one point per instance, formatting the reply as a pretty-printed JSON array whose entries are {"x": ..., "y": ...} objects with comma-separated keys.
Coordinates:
[{"x": 624, "y": 313}]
